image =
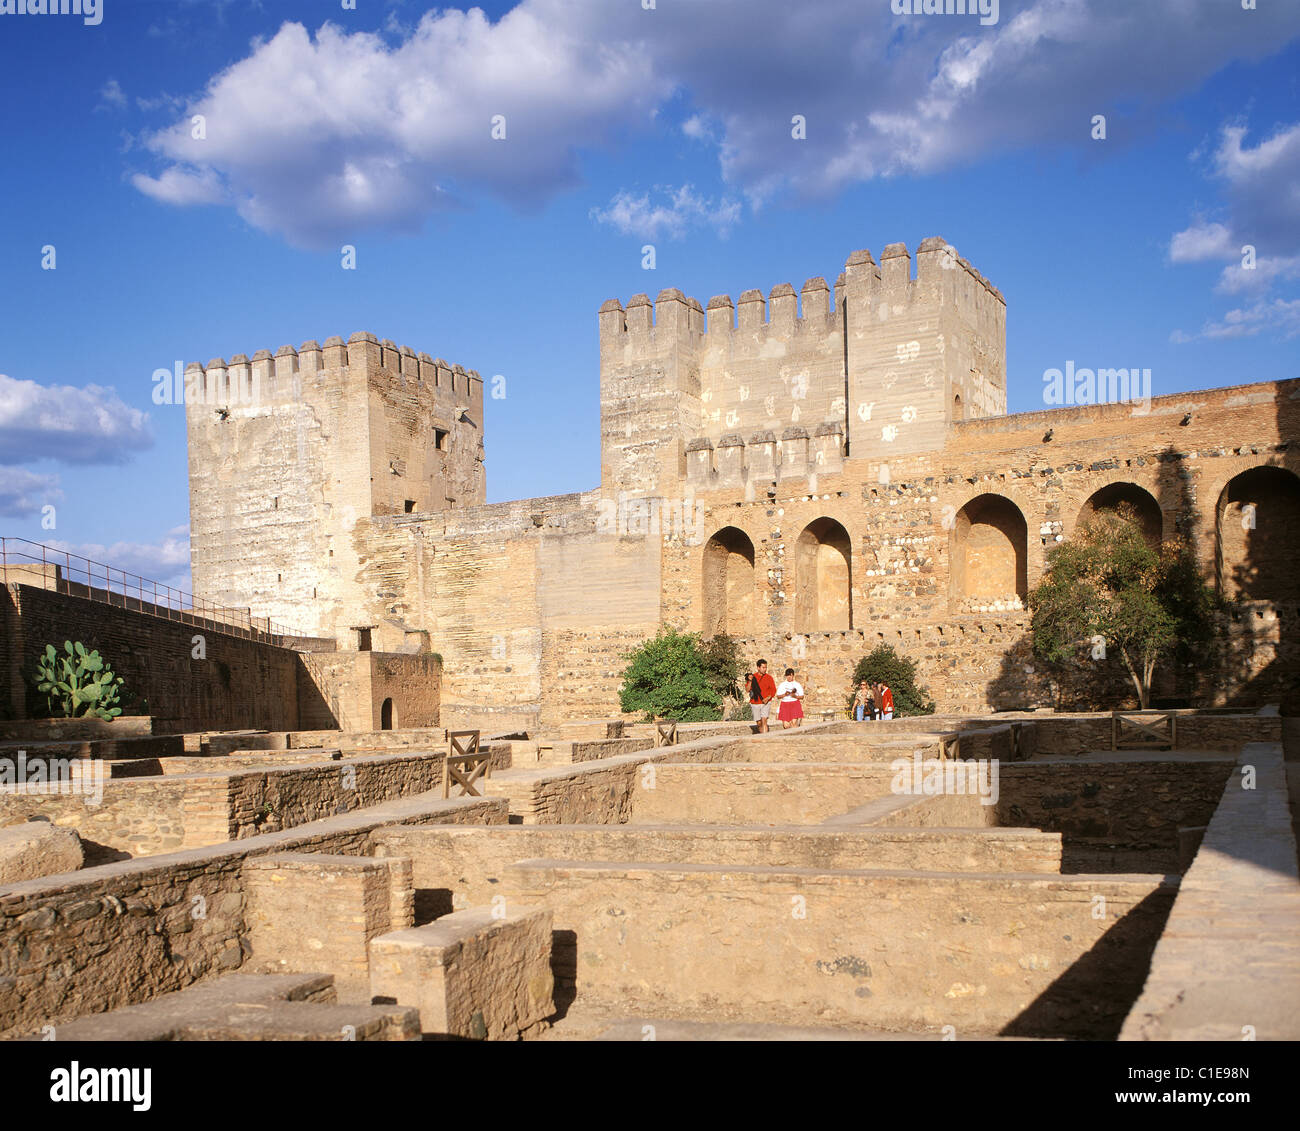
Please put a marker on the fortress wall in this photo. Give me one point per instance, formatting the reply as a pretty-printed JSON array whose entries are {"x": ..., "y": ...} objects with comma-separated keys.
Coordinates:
[
  {"x": 241, "y": 684},
  {"x": 900, "y": 516},
  {"x": 771, "y": 372}
]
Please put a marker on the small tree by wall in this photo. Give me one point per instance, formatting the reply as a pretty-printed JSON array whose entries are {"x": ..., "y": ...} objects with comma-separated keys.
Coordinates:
[
  {"x": 678, "y": 676},
  {"x": 1109, "y": 591},
  {"x": 896, "y": 672}
]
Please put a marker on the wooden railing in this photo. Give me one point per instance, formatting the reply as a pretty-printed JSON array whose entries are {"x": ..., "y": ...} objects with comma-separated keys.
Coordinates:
[
  {"x": 1143, "y": 730},
  {"x": 465, "y": 764},
  {"x": 665, "y": 733}
]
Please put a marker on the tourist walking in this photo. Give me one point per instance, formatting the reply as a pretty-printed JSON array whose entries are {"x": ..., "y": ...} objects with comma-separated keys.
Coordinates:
[
  {"x": 761, "y": 688},
  {"x": 790, "y": 692},
  {"x": 884, "y": 701}
]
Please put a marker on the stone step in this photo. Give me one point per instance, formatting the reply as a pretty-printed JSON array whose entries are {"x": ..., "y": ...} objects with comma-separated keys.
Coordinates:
[
  {"x": 479, "y": 974},
  {"x": 246, "y": 1007}
]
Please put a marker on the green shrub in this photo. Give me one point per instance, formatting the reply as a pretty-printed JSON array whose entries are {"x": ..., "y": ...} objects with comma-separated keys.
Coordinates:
[
  {"x": 677, "y": 676},
  {"x": 77, "y": 683},
  {"x": 896, "y": 672}
]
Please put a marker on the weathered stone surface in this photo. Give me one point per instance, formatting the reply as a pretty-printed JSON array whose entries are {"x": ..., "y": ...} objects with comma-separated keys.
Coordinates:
[{"x": 37, "y": 848}]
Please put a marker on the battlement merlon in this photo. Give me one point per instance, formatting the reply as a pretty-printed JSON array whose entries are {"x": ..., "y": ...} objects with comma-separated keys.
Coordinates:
[
  {"x": 938, "y": 267},
  {"x": 271, "y": 378}
]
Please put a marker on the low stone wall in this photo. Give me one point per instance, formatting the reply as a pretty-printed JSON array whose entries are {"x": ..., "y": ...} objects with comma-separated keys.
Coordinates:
[
  {"x": 1086, "y": 733},
  {"x": 940, "y": 811},
  {"x": 857, "y": 747},
  {"x": 756, "y": 793},
  {"x": 420, "y": 738},
  {"x": 138, "y": 746},
  {"x": 1228, "y": 964},
  {"x": 593, "y": 751},
  {"x": 1016, "y": 955},
  {"x": 74, "y": 730},
  {"x": 592, "y": 792},
  {"x": 122, "y": 933},
  {"x": 142, "y": 816},
  {"x": 454, "y": 868},
  {"x": 1134, "y": 804}
]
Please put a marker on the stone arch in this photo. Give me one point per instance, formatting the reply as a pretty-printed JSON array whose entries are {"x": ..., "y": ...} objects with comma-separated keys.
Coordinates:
[
  {"x": 1109, "y": 498},
  {"x": 956, "y": 407},
  {"x": 823, "y": 577},
  {"x": 988, "y": 553},
  {"x": 729, "y": 583},
  {"x": 386, "y": 715},
  {"x": 1256, "y": 521}
]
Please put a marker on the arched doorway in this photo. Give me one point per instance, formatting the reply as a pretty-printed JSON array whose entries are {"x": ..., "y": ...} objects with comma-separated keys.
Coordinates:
[
  {"x": 823, "y": 586},
  {"x": 386, "y": 715},
  {"x": 1116, "y": 495},
  {"x": 729, "y": 583},
  {"x": 1257, "y": 517},
  {"x": 988, "y": 547}
]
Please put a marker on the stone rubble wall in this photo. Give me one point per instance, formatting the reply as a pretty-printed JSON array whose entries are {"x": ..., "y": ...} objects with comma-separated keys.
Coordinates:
[{"x": 123, "y": 933}]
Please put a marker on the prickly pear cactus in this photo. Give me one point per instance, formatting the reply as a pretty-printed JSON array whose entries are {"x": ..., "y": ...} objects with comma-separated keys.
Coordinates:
[{"x": 78, "y": 682}]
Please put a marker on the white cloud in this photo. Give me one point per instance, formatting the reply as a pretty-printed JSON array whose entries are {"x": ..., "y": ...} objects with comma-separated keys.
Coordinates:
[
  {"x": 1281, "y": 316},
  {"x": 23, "y": 493},
  {"x": 166, "y": 561},
  {"x": 1203, "y": 241},
  {"x": 1259, "y": 239},
  {"x": 673, "y": 213},
  {"x": 112, "y": 96},
  {"x": 315, "y": 138},
  {"x": 319, "y": 138},
  {"x": 61, "y": 422}
]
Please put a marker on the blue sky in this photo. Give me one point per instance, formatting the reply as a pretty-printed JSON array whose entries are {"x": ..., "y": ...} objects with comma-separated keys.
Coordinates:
[{"x": 624, "y": 126}]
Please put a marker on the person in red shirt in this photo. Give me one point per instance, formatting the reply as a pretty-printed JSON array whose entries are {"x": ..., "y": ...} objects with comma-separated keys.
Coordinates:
[
  {"x": 885, "y": 701},
  {"x": 762, "y": 690}
]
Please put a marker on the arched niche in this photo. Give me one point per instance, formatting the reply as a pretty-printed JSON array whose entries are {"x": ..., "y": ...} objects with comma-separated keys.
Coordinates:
[
  {"x": 988, "y": 552},
  {"x": 729, "y": 583},
  {"x": 1113, "y": 496},
  {"x": 823, "y": 585},
  {"x": 1257, "y": 519}
]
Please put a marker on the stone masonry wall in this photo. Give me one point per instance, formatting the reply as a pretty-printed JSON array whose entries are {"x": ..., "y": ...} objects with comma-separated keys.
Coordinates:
[{"x": 123, "y": 933}]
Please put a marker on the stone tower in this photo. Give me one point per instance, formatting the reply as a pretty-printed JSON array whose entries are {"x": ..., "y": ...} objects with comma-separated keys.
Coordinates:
[
  {"x": 755, "y": 391},
  {"x": 288, "y": 452}
]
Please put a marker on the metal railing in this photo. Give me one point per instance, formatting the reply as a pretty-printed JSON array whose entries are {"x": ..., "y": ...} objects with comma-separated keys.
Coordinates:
[{"x": 46, "y": 567}]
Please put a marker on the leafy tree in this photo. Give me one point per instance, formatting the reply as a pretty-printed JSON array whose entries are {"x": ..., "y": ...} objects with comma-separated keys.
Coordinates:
[
  {"x": 898, "y": 673},
  {"x": 677, "y": 676},
  {"x": 721, "y": 661},
  {"x": 1108, "y": 590}
]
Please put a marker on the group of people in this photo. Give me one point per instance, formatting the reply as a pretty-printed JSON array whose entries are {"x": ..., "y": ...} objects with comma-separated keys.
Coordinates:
[{"x": 873, "y": 700}]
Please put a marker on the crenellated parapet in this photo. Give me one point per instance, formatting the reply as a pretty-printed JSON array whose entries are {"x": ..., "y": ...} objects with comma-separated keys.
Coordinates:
[
  {"x": 885, "y": 360},
  {"x": 280, "y": 377}
]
